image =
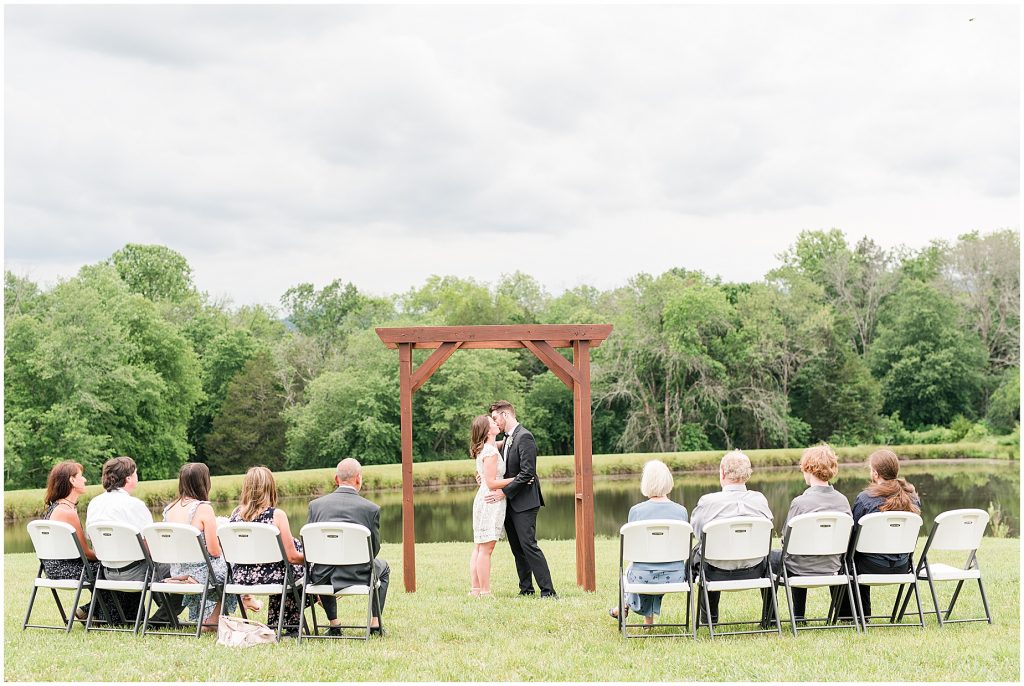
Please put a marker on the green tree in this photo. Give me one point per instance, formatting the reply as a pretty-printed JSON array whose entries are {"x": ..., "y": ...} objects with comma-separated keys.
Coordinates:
[
  {"x": 331, "y": 314},
  {"x": 93, "y": 371},
  {"x": 154, "y": 271},
  {"x": 451, "y": 301},
  {"x": 548, "y": 408},
  {"x": 1004, "y": 404},
  {"x": 249, "y": 429},
  {"x": 930, "y": 369}
]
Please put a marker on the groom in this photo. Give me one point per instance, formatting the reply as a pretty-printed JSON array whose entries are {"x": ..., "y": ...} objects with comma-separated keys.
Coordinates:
[{"x": 524, "y": 501}]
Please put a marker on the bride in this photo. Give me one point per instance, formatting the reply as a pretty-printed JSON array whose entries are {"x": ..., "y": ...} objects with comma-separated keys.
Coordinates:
[{"x": 488, "y": 518}]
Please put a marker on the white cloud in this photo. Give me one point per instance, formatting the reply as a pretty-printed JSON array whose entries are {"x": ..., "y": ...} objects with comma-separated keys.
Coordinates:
[{"x": 274, "y": 145}]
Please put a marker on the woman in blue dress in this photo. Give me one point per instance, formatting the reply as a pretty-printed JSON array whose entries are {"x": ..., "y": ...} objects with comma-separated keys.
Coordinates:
[{"x": 655, "y": 483}]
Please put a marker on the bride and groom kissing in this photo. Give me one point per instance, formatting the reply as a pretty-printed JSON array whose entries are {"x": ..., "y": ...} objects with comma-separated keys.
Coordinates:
[{"x": 507, "y": 502}]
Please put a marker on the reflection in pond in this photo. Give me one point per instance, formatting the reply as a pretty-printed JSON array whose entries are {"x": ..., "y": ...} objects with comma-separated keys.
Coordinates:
[{"x": 446, "y": 514}]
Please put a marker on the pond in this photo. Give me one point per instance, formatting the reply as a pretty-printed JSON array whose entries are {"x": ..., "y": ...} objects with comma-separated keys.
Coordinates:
[{"x": 445, "y": 514}]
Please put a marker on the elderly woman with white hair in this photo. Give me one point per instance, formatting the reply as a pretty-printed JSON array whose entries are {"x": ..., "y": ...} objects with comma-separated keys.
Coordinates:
[
  {"x": 655, "y": 483},
  {"x": 734, "y": 500}
]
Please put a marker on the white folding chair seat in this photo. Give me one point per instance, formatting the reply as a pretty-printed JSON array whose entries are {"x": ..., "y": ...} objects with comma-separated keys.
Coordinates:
[
  {"x": 123, "y": 543},
  {"x": 737, "y": 538},
  {"x": 655, "y": 540},
  {"x": 813, "y": 534},
  {"x": 57, "y": 541},
  {"x": 336, "y": 544},
  {"x": 956, "y": 531},
  {"x": 249, "y": 543},
  {"x": 886, "y": 533},
  {"x": 172, "y": 543}
]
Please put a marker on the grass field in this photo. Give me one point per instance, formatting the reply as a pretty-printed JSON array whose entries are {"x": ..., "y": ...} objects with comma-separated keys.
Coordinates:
[
  {"x": 28, "y": 503},
  {"x": 438, "y": 634}
]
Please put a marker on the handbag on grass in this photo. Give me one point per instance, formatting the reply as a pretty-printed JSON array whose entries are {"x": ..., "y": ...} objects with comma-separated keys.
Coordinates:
[{"x": 242, "y": 633}]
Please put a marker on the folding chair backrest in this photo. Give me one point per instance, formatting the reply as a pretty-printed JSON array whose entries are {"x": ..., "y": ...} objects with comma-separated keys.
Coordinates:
[
  {"x": 959, "y": 530},
  {"x": 173, "y": 543},
  {"x": 115, "y": 541},
  {"x": 888, "y": 533},
  {"x": 738, "y": 538},
  {"x": 819, "y": 533},
  {"x": 335, "y": 543},
  {"x": 250, "y": 543},
  {"x": 656, "y": 540},
  {"x": 54, "y": 540}
]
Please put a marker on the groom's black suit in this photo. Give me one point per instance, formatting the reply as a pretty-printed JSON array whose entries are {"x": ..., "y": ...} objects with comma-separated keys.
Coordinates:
[{"x": 524, "y": 501}]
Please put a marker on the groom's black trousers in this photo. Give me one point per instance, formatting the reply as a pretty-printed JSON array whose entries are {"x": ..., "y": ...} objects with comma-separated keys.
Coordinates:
[{"x": 521, "y": 529}]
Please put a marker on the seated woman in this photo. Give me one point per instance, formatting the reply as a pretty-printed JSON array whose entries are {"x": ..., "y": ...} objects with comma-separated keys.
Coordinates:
[
  {"x": 193, "y": 507},
  {"x": 655, "y": 483},
  {"x": 64, "y": 486},
  {"x": 258, "y": 504},
  {"x": 887, "y": 493},
  {"x": 819, "y": 466}
]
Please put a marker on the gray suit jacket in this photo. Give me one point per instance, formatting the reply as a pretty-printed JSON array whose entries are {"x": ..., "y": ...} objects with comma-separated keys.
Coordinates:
[{"x": 346, "y": 505}]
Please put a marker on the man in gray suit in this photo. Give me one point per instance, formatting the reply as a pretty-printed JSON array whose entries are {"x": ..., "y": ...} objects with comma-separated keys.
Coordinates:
[{"x": 346, "y": 505}]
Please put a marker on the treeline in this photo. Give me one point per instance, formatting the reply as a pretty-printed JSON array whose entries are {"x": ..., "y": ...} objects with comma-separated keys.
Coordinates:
[{"x": 845, "y": 343}]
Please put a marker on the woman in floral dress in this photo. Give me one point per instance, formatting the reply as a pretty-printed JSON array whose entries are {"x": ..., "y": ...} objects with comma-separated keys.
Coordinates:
[{"x": 258, "y": 504}]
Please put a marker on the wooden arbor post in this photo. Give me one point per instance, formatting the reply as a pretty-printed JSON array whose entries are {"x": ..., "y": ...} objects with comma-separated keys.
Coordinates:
[{"x": 540, "y": 339}]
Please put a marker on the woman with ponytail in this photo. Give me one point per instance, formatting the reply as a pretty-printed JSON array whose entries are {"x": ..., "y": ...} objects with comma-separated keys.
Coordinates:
[{"x": 888, "y": 492}]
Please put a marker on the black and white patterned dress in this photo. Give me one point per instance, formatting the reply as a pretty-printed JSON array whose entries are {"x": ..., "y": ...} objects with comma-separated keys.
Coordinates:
[{"x": 271, "y": 574}]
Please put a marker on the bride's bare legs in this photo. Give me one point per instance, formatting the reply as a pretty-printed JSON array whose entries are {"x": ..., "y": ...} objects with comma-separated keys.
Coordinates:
[
  {"x": 483, "y": 565},
  {"x": 474, "y": 576}
]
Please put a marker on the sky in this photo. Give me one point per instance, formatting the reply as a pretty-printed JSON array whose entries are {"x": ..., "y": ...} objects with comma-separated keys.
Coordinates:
[{"x": 274, "y": 145}]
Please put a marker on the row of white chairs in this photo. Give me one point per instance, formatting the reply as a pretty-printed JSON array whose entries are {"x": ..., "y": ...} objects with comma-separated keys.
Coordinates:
[
  {"x": 242, "y": 543},
  {"x": 817, "y": 533}
]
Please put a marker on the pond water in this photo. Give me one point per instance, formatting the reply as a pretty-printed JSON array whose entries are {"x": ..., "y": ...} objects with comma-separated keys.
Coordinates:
[{"x": 445, "y": 514}]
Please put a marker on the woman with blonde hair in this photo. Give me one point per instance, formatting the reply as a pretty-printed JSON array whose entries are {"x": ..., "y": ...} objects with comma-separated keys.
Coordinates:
[
  {"x": 888, "y": 492},
  {"x": 655, "y": 483},
  {"x": 488, "y": 518},
  {"x": 258, "y": 503}
]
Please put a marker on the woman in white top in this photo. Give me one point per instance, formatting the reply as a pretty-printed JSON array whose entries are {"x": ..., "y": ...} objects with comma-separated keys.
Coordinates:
[{"x": 488, "y": 518}]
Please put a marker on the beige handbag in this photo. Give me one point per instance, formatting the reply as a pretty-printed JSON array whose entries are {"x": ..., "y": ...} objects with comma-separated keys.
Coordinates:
[{"x": 242, "y": 633}]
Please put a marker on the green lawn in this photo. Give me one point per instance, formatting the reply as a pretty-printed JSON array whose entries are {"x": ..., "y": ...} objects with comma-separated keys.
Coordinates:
[{"x": 438, "y": 634}]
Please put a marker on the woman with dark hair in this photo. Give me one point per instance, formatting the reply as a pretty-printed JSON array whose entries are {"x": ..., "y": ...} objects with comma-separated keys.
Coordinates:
[
  {"x": 488, "y": 518},
  {"x": 888, "y": 492},
  {"x": 193, "y": 507},
  {"x": 64, "y": 486}
]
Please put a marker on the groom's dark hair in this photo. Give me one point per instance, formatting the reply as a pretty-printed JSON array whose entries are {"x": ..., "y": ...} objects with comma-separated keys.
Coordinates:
[{"x": 503, "y": 405}]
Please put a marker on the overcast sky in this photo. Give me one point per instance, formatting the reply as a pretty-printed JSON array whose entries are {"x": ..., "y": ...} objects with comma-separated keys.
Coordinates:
[{"x": 276, "y": 145}]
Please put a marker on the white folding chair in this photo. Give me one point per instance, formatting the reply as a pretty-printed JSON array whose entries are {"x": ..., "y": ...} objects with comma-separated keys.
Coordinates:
[
  {"x": 171, "y": 543},
  {"x": 886, "y": 533},
  {"x": 123, "y": 543},
  {"x": 336, "y": 544},
  {"x": 737, "y": 538},
  {"x": 655, "y": 540},
  {"x": 252, "y": 543},
  {"x": 960, "y": 531},
  {"x": 57, "y": 541},
  {"x": 817, "y": 533}
]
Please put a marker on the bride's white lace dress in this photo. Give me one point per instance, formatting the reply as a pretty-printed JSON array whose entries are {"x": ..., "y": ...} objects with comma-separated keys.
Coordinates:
[{"x": 488, "y": 518}]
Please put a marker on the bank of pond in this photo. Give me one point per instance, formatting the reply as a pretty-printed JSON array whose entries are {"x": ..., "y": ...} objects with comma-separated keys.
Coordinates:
[{"x": 445, "y": 513}]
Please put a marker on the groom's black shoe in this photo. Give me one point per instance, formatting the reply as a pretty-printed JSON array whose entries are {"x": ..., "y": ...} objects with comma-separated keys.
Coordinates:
[
  {"x": 549, "y": 596},
  {"x": 529, "y": 593}
]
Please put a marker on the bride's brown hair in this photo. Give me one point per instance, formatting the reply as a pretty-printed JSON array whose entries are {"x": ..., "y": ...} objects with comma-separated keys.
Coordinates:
[
  {"x": 478, "y": 434},
  {"x": 898, "y": 493}
]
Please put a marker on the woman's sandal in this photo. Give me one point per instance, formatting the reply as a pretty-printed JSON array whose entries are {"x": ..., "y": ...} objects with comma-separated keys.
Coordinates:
[
  {"x": 485, "y": 595},
  {"x": 614, "y": 612},
  {"x": 474, "y": 592}
]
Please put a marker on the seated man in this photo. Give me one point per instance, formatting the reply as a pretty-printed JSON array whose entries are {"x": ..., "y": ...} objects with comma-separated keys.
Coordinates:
[
  {"x": 117, "y": 504},
  {"x": 346, "y": 505},
  {"x": 734, "y": 500}
]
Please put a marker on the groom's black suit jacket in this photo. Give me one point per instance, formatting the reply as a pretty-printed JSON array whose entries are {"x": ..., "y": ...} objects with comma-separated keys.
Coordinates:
[{"x": 521, "y": 463}]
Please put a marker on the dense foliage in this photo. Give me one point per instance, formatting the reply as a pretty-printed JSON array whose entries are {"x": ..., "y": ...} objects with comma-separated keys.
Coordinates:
[{"x": 845, "y": 343}]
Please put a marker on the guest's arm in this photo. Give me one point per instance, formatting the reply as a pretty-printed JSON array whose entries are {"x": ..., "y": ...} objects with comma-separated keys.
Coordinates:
[
  {"x": 293, "y": 554},
  {"x": 206, "y": 519},
  {"x": 69, "y": 516}
]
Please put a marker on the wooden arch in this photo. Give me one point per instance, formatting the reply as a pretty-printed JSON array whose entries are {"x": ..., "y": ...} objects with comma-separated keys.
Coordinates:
[{"x": 540, "y": 339}]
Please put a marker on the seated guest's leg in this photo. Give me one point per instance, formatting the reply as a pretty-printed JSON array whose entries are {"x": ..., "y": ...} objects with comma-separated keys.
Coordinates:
[
  {"x": 330, "y": 604},
  {"x": 384, "y": 575},
  {"x": 799, "y": 603}
]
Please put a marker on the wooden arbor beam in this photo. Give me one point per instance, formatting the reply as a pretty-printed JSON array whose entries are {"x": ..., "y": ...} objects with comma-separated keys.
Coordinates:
[{"x": 541, "y": 340}]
